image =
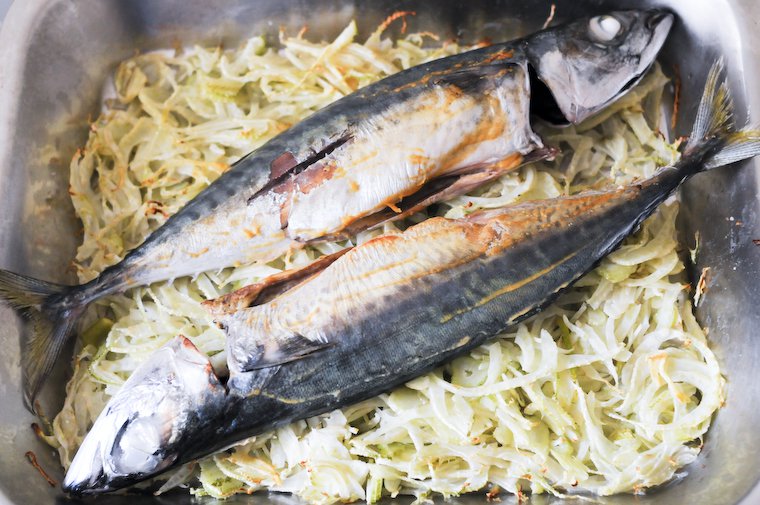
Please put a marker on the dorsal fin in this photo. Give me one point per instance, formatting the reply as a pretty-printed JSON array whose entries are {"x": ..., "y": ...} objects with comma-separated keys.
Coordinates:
[{"x": 269, "y": 288}]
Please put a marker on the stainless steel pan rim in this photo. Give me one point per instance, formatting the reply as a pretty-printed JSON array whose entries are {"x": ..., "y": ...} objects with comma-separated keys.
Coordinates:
[{"x": 56, "y": 53}]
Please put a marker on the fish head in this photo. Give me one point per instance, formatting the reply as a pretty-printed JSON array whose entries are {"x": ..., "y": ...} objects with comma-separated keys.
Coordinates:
[
  {"x": 144, "y": 427},
  {"x": 582, "y": 66}
]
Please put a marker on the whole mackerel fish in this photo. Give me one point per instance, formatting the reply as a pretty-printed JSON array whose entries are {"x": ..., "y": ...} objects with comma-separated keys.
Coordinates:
[
  {"x": 387, "y": 150},
  {"x": 384, "y": 312}
]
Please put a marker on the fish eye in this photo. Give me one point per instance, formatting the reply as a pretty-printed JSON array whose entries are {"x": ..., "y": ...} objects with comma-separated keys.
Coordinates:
[{"x": 604, "y": 28}]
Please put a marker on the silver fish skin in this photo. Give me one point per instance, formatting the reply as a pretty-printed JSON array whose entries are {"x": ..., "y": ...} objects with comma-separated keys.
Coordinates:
[
  {"x": 378, "y": 315},
  {"x": 395, "y": 146}
]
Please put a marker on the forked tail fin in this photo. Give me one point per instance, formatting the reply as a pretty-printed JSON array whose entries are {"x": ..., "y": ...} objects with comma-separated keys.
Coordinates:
[
  {"x": 714, "y": 129},
  {"x": 52, "y": 311}
]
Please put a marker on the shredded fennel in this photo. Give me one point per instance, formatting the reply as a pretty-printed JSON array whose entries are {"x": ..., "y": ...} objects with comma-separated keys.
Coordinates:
[{"x": 609, "y": 390}]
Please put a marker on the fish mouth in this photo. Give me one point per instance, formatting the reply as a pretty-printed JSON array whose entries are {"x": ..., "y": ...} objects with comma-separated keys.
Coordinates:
[{"x": 86, "y": 484}]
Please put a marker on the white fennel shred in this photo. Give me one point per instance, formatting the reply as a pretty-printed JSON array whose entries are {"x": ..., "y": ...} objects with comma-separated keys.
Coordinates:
[{"x": 611, "y": 389}]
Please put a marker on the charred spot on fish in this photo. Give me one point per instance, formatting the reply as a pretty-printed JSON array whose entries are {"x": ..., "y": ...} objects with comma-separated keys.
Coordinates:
[
  {"x": 315, "y": 175},
  {"x": 282, "y": 164},
  {"x": 297, "y": 169},
  {"x": 542, "y": 102}
]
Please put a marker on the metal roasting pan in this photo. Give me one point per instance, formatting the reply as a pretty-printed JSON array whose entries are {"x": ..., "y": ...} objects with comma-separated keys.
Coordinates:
[{"x": 55, "y": 55}]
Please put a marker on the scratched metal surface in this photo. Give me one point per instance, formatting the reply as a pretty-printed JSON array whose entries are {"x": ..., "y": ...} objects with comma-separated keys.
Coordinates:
[{"x": 56, "y": 54}]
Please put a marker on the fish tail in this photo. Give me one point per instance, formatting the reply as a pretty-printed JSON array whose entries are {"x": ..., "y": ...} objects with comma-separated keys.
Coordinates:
[
  {"x": 714, "y": 127},
  {"x": 52, "y": 310},
  {"x": 737, "y": 146}
]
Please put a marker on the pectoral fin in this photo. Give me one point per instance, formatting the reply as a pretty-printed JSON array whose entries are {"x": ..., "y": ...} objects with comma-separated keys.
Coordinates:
[
  {"x": 275, "y": 353},
  {"x": 269, "y": 288}
]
